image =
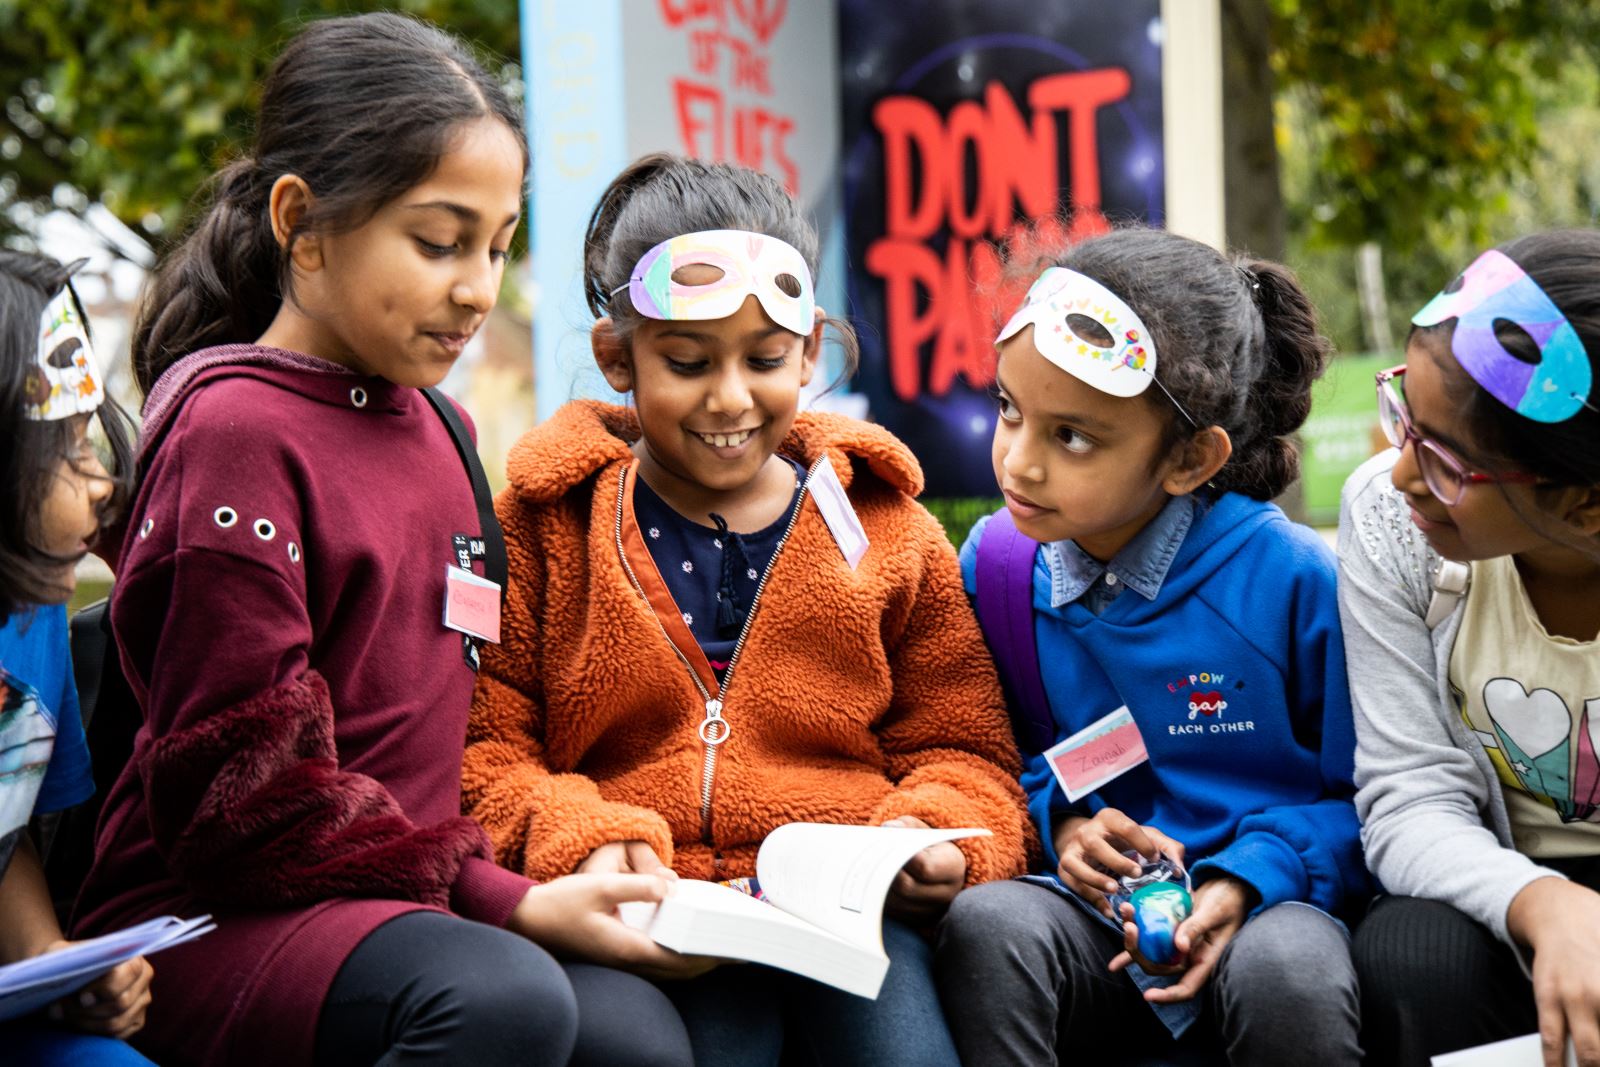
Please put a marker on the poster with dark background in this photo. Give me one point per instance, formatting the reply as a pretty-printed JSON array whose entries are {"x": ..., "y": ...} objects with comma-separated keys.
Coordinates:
[{"x": 961, "y": 120}]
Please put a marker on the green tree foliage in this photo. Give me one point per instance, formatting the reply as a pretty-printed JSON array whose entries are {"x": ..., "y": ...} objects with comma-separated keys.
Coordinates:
[
  {"x": 1416, "y": 106},
  {"x": 133, "y": 103},
  {"x": 1434, "y": 128}
]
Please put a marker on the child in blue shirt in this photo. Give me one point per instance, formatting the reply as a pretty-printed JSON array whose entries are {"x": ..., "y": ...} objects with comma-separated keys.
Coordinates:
[
  {"x": 56, "y": 491},
  {"x": 1168, "y": 593}
]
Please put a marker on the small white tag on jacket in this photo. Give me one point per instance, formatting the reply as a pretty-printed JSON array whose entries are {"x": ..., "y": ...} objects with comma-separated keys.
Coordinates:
[{"x": 838, "y": 513}]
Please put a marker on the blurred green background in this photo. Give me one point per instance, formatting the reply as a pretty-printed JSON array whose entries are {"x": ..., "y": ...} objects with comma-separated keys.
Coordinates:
[{"x": 1374, "y": 145}]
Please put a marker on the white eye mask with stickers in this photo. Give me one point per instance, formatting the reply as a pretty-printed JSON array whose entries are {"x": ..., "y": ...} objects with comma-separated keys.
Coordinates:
[
  {"x": 65, "y": 379},
  {"x": 1091, "y": 333}
]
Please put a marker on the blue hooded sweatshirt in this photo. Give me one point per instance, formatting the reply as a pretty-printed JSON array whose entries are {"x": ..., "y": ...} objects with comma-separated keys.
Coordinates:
[{"x": 1235, "y": 676}]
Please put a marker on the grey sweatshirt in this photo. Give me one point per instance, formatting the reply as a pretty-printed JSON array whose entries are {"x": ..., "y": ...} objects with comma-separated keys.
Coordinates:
[{"x": 1433, "y": 820}]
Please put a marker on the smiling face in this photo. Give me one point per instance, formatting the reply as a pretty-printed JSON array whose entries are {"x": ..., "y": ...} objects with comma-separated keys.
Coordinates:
[
  {"x": 715, "y": 398},
  {"x": 1490, "y": 519},
  {"x": 401, "y": 295},
  {"x": 1074, "y": 462}
]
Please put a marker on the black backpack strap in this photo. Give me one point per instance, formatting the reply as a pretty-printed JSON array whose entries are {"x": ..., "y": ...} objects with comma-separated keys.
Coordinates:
[
  {"x": 111, "y": 719},
  {"x": 494, "y": 541}
]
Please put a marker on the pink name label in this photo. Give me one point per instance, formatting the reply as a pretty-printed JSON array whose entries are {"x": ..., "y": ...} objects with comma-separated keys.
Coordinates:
[
  {"x": 1098, "y": 753},
  {"x": 472, "y": 604}
]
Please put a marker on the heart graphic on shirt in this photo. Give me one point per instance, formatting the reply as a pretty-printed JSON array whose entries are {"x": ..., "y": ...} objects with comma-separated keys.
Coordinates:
[
  {"x": 1206, "y": 703},
  {"x": 1535, "y": 731},
  {"x": 1586, "y": 771}
]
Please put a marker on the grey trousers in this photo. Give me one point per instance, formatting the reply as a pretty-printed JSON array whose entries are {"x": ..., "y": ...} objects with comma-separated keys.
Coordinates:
[{"x": 1022, "y": 974}]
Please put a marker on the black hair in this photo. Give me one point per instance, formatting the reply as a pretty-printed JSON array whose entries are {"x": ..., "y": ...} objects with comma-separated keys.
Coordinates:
[
  {"x": 1566, "y": 265},
  {"x": 36, "y": 449},
  {"x": 362, "y": 108},
  {"x": 1237, "y": 345},
  {"x": 662, "y": 196}
]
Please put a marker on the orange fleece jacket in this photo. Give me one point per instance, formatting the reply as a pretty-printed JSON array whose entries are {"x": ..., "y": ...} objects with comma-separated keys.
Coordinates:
[{"x": 859, "y": 696}]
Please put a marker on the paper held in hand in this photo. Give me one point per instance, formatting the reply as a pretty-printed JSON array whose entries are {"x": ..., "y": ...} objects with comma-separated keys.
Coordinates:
[
  {"x": 28, "y": 985},
  {"x": 822, "y": 916},
  {"x": 1517, "y": 1052}
]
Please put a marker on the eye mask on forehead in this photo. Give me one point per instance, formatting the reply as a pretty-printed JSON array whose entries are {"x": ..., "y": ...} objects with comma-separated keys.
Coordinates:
[
  {"x": 1088, "y": 331},
  {"x": 1495, "y": 289},
  {"x": 65, "y": 378},
  {"x": 743, "y": 264}
]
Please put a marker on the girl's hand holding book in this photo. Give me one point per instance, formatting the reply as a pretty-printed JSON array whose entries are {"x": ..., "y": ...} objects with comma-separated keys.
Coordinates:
[
  {"x": 113, "y": 1005},
  {"x": 576, "y": 917},
  {"x": 1091, "y": 853},
  {"x": 929, "y": 881}
]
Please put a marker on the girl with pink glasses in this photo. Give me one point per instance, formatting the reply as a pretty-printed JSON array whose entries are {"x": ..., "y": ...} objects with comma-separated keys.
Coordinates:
[{"x": 1470, "y": 592}]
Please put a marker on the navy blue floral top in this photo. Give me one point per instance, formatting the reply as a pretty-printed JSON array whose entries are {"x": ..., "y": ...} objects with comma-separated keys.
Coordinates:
[{"x": 711, "y": 572}]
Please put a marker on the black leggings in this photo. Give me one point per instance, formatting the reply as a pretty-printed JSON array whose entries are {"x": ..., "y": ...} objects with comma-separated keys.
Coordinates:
[
  {"x": 1435, "y": 981},
  {"x": 432, "y": 988}
]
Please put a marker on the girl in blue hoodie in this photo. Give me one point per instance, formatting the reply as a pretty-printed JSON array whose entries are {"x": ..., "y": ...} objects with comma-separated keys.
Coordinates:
[{"x": 1172, "y": 650}]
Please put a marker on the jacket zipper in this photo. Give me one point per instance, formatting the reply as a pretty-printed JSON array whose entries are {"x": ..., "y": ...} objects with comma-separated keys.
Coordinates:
[{"x": 714, "y": 728}]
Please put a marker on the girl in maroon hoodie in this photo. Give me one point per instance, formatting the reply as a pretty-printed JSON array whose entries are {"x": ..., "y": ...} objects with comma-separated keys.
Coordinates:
[{"x": 281, "y": 583}]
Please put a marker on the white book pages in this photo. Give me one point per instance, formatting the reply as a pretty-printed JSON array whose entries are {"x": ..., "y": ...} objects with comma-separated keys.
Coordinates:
[{"x": 837, "y": 877}]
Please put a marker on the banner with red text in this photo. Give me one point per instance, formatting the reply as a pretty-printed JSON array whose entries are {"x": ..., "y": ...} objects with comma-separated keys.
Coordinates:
[
  {"x": 753, "y": 82},
  {"x": 962, "y": 123},
  {"x": 739, "y": 81}
]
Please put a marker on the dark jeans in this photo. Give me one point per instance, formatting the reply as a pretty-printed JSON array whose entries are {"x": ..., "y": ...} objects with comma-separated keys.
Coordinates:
[
  {"x": 747, "y": 1015},
  {"x": 432, "y": 988},
  {"x": 1023, "y": 975},
  {"x": 1435, "y": 981}
]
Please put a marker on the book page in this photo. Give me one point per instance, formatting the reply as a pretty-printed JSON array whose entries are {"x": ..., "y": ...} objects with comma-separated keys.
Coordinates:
[
  {"x": 708, "y": 918},
  {"x": 836, "y": 877}
]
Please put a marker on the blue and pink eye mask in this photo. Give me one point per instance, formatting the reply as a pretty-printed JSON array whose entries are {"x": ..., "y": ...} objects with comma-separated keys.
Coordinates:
[
  {"x": 748, "y": 264},
  {"x": 1492, "y": 290}
]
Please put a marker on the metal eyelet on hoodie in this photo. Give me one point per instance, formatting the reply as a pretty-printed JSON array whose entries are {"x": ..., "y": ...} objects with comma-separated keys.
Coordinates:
[
  {"x": 225, "y": 516},
  {"x": 358, "y": 397}
]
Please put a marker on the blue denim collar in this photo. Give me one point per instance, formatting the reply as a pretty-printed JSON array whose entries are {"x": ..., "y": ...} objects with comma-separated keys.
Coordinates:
[{"x": 1142, "y": 564}]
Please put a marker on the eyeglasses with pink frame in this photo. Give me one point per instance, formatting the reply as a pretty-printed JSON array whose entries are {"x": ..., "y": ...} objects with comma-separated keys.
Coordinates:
[{"x": 1446, "y": 476}]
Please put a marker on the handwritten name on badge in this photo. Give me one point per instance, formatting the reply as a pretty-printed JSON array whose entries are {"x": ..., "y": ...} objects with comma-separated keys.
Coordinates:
[
  {"x": 472, "y": 604},
  {"x": 1098, "y": 753}
]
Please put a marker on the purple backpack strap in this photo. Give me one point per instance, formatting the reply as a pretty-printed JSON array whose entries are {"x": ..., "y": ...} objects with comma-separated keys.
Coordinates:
[{"x": 1005, "y": 609}]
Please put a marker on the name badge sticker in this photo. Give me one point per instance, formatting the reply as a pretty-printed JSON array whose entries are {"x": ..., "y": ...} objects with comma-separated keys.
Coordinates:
[
  {"x": 838, "y": 513},
  {"x": 1098, "y": 753},
  {"x": 471, "y": 604}
]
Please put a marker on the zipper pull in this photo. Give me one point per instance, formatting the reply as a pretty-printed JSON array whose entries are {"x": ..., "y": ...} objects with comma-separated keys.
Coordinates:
[{"x": 714, "y": 729}]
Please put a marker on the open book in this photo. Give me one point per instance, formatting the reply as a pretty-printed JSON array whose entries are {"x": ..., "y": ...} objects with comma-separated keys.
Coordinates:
[
  {"x": 818, "y": 910},
  {"x": 30, "y": 984}
]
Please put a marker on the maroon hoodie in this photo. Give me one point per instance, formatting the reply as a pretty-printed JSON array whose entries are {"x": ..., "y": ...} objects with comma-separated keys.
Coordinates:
[{"x": 278, "y": 610}]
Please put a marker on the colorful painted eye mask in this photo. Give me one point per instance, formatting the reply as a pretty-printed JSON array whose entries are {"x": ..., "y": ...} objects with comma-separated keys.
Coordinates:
[
  {"x": 1495, "y": 288},
  {"x": 751, "y": 263},
  {"x": 65, "y": 380},
  {"x": 1086, "y": 330}
]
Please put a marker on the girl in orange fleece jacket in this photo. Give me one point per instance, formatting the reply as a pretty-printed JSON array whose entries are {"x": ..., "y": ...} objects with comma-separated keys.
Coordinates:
[{"x": 699, "y": 644}]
